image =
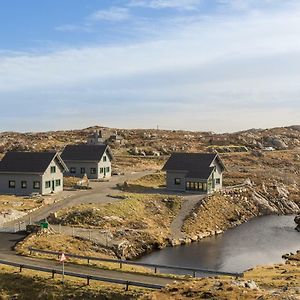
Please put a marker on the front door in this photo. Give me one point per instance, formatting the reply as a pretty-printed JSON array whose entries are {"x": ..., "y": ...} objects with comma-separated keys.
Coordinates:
[{"x": 53, "y": 186}]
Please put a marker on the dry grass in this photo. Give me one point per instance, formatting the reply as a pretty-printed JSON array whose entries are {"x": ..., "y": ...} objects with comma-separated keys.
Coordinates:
[
  {"x": 18, "y": 203},
  {"x": 141, "y": 221},
  {"x": 128, "y": 163},
  {"x": 276, "y": 276},
  {"x": 145, "y": 184},
  {"x": 30, "y": 285},
  {"x": 273, "y": 282},
  {"x": 136, "y": 210},
  {"x": 62, "y": 243},
  {"x": 71, "y": 181},
  {"x": 218, "y": 213},
  {"x": 155, "y": 180},
  {"x": 73, "y": 245},
  {"x": 281, "y": 166}
]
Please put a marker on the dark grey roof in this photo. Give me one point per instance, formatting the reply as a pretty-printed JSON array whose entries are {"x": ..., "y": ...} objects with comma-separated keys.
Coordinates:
[
  {"x": 84, "y": 152},
  {"x": 26, "y": 162},
  {"x": 197, "y": 165}
]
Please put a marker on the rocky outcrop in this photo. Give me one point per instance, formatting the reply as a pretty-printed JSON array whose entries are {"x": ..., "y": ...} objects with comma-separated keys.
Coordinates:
[
  {"x": 297, "y": 221},
  {"x": 232, "y": 207},
  {"x": 276, "y": 142}
]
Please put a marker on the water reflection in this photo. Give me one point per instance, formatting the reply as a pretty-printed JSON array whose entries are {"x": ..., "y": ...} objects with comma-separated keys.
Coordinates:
[{"x": 263, "y": 240}]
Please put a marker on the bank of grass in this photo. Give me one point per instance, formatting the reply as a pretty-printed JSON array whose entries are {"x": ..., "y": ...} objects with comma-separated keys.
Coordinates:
[
  {"x": 139, "y": 221},
  {"x": 218, "y": 213},
  {"x": 268, "y": 168},
  {"x": 129, "y": 163},
  {"x": 274, "y": 282},
  {"x": 279, "y": 276},
  {"x": 30, "y": 285},
  {"x": 70, "y": 182},
  {"x": 73, "y": 245},
  {"x": 147, "y": 183},
  {"x": 135, "y": 211},
  {"x": 18, "y": 203}
]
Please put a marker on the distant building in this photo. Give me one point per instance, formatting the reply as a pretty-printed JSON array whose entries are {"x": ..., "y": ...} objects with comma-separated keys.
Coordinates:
[
  {"x": 96, "y": 138},
  {"x": 116, "y": 139},
  {"x": 24, "y": 173},
  {"x": 92, "y": 160},
  {"x": 198, "y": 172}
]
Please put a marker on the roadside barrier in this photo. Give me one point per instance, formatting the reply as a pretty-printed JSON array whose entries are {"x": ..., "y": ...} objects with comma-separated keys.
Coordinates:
[
  {"x": 83, "y": 276},
  {"x": 155, "y": 267}
]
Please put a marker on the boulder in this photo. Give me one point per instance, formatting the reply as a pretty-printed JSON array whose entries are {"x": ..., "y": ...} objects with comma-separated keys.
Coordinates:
[{"x": 297, "y": 221}]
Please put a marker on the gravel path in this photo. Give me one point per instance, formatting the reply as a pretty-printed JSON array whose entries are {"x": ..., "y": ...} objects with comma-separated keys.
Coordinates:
[{"x": 187, "y": 207}]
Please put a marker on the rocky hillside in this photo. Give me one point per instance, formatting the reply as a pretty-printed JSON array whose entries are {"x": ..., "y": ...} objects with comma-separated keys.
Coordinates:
[
  {"x": 158, "y": 142},
  {"x": 230, "y": 208}
]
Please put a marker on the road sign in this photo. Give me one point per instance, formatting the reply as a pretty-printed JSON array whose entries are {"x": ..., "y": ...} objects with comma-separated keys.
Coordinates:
[
  {"x": 62, "y": 260},
  {"x": 62, "y": 257},
  {"x": 44, "y": 225}
]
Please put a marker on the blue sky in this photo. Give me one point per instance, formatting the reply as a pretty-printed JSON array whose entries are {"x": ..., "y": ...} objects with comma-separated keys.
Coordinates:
[{"x": 219, "y": 65}]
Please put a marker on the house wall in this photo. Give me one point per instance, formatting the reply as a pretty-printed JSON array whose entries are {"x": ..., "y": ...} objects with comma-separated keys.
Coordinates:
[
  {"x": 218, "y": 174},
  {"x": 88, "y": 165},
  {"x": 29, "y": 178},
  {"x": 53, "y": 177},
  {"x": 106, "y": 165},
  {"x": 171, "y": 176},
  {"x": 82, "y": 164}
]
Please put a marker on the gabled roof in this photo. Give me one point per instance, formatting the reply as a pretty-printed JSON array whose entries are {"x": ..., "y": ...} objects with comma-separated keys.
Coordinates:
[
  {"x": 85, "y": 152},
  {"x": 27, "y": 162},
  {"x": 196, "y": 165}
]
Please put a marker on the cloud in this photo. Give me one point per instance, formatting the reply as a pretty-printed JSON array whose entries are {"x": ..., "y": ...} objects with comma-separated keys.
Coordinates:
[
  {"x": 112, "y": 14},
  {"x": 249, "y": 5},
  {"x": 73, "y": 28},
  {"x": 219, "y": 73},
  {"x": 160, "y": 4}
]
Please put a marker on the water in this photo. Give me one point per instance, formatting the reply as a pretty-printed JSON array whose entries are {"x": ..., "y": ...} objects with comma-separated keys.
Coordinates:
[{"x": 262, "y": 240}]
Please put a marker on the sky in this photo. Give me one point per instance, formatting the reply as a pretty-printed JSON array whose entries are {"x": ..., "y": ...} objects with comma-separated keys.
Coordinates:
[{"x": 216, "y": 65}]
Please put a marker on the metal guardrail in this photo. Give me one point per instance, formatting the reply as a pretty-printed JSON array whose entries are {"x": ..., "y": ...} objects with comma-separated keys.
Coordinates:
[
  {"x": 83, "y": 276},
  {"x": 156, "y": 267}
]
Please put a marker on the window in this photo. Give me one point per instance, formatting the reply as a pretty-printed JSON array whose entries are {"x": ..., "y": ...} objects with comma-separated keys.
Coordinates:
[
  {"x": 57, "y": 182},
  {"x": 177, "y": 181},
  {"x": 47, "y": 184},
  {"x": 218, "y": 181},
  {"x": 24, "y": 184},
  {"x": 53, "y": 169},
  {"x": 104, "y": 158},
  {"x": 36, "y": 185},
  {"x": 11, "y": 184},
  {"x": 72, "y": 170},
  {"x": 82, "y": 170},
  {"x": 101, "y": 170},
  {"x": 93, "y": 170},
  {"x": 107, "y": 169}
]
